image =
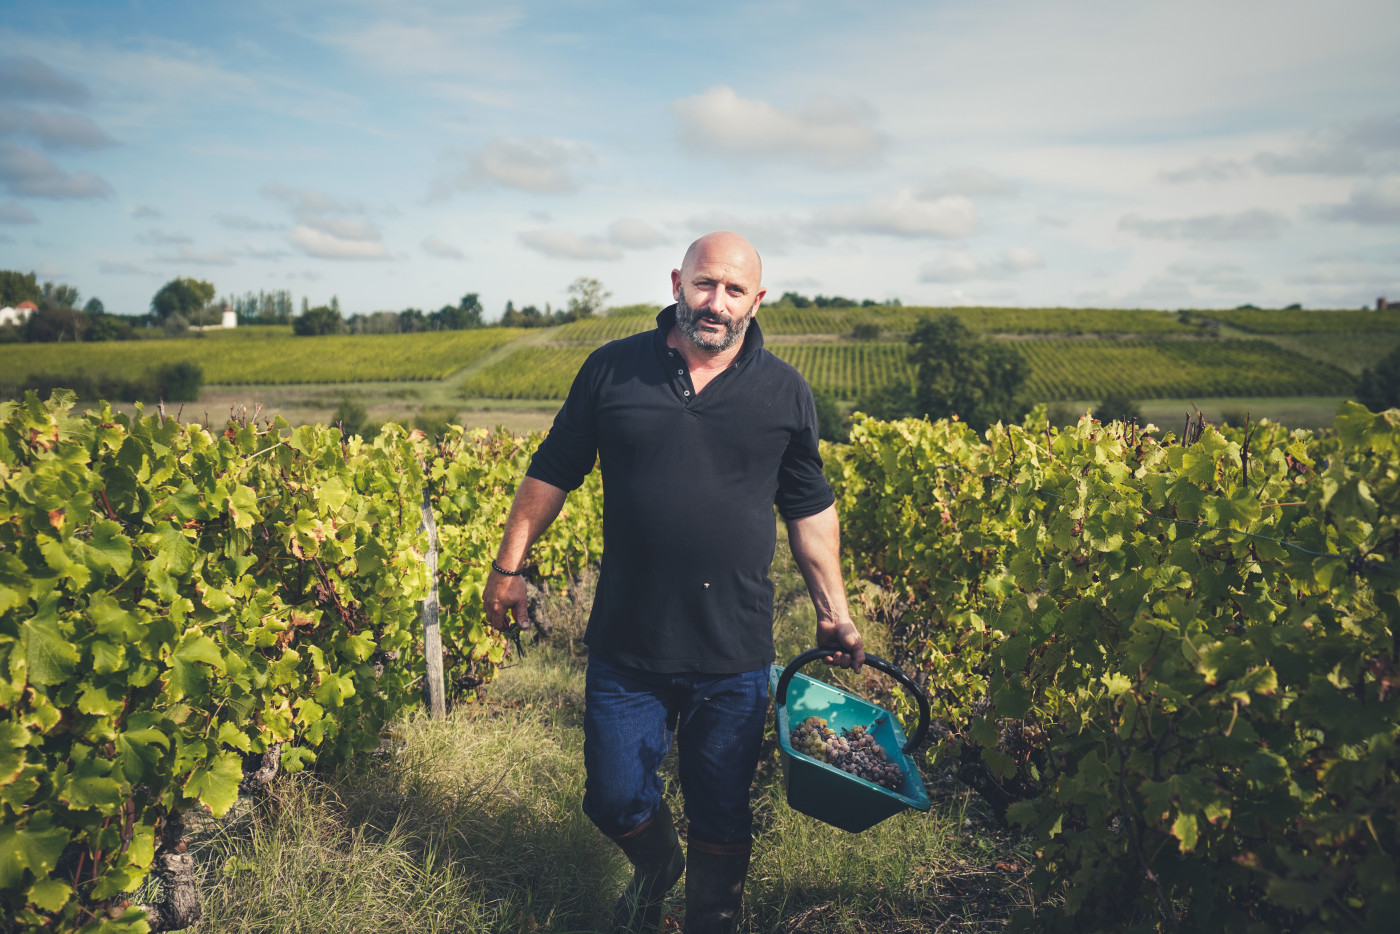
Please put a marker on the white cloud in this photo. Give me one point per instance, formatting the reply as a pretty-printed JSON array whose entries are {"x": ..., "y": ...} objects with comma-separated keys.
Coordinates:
[
  {"x": 161, "y": 238},
  {"x": 53, "y": 131},
  {"x": 145, "y": 211},
  {"x": 1374, "y": 203},
  {"x": 309, "y": 201},
  {"x": 828, "y": 133},
  {"x": 559, "y": 244},
  {"x": 16, "y": 213},
  {"x": 187, "y": 257},
  {"x": 542, "y": 166},
  {"x": 243, "y": 222},
  {"x": 634, "y": 234},
  {"x": 435, "y": 247},
  {"x": 904, "y": 214},
  {"x": 1210, "y": 169},
  {"x": 26, "y": 78},
  {"x": 26, "y": 172},
  {"x": 120, "y": 269},
  {"x": 51, "y": 271},
  {"x": 775, "y": 233},
  {"x": 974, "y": 183},
  {"x": 328, "y": 245},
  {"x": 1256, "y": 224},
  {"x": 961, "y": 266}
]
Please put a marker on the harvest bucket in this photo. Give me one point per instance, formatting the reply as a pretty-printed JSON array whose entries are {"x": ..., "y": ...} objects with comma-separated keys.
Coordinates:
[{"x": 821, "y": 790}]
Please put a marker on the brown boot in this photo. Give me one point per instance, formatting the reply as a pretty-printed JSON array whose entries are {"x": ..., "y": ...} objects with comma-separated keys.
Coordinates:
[
  {"x": 714, "y": 887},
  {"x": 657, "y": 862}
]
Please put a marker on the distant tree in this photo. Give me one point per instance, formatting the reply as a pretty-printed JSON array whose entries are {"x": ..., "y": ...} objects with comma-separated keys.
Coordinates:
[
  {"x": 866, "y": 331},
  {"x": 795, "y": 300},
  {"x": 184, "y": 297},
  {"x": 1296, "y": 306},
  {"x": 411, "y": 321},
  {"x": 179, "y": 382},
  {"x": 335, "y": 305},
  {"x": 52, "y": 323},
  {"x": 322, "y": 319},
  {"x": 459, "y": 317},
  {"x": 835, "y": 301},
  {"x": 959, "y": 373},
  {"x": 94, "y": 306},
  {"x": 1379, "y": 386},
  {"x": 586, "y": 297},
  {"x": 1117, "y": 407},
  {"x": 16, "y": 287},
  {"x": 471, "y": 309},
  {"x": 889, "y": 402},
  {"x": 59, "y": 296}
]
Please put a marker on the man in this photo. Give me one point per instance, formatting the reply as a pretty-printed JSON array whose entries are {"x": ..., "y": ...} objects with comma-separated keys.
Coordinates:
[{"x": 699, "y": 433}]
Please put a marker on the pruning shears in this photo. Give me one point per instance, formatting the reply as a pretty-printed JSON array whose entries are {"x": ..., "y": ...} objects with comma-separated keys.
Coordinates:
[{"x": 513, "y": 632}]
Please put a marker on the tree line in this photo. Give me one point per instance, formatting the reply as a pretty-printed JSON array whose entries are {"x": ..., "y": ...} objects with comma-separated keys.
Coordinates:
[{"x": 186, "y": 302}]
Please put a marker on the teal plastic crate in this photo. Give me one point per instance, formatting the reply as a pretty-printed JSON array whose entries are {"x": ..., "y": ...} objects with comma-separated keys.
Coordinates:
[{"x": 823, "y": 791}]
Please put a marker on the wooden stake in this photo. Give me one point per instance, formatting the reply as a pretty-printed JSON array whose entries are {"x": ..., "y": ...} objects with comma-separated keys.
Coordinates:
[{"x": 432, "y": 632}]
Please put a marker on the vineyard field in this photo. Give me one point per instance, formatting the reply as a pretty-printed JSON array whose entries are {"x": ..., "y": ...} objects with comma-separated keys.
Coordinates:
[
  {"x": 805, "y": 321},
  {"x": 1175, "y": 369},
  {"x": 1060, "y": 370},
  {"x": 1294, "y": 321},
  {"x": 275, "y": 358}
]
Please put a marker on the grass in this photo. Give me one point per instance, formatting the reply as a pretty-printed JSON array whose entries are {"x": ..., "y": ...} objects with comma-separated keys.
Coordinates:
[{"x": 475, "y": 824}]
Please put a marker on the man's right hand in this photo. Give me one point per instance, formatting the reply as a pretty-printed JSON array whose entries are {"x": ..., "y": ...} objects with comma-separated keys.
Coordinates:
[{"x": 506, "y": 600}]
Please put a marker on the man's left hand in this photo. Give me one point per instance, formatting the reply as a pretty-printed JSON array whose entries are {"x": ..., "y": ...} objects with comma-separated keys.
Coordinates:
[{"x": 841, "y": 635}]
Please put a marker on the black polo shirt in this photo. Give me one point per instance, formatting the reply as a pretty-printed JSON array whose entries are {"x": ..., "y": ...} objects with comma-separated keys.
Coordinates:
[{"x": 689, "y": 485}]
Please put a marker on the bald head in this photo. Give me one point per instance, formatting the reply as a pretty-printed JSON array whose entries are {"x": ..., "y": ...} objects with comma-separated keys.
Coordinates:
[
  {"x": 717, "y": 290},
  {"x": 725, "y": 248}
]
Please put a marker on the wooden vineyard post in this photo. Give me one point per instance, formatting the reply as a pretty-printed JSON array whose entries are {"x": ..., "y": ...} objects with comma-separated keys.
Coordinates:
[{"x": 432, "y": 632}]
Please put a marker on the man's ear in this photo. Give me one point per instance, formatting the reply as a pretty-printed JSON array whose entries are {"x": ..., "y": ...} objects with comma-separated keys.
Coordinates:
[
  {"x": 758, "y": 300},
  {"x": 676, "y": 284}
]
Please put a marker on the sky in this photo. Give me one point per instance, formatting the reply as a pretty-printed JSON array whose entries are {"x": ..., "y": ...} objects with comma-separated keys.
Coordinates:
[{"x": 1190, "y": 154}]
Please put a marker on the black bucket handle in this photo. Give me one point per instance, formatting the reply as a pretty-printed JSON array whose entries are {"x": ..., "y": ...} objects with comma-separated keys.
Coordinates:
[{"x": 874, "y": 661}]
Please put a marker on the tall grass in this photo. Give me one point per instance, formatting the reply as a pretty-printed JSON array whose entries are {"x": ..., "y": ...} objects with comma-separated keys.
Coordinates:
[{"x": 475, "y": 824}]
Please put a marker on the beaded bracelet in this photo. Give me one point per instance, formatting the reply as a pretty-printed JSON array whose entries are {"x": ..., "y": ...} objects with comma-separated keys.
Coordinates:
[{"x": 500, "y": 570}]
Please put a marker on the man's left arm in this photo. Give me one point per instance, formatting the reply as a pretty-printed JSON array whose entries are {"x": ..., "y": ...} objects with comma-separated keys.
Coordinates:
[{"x": 815, "y": 541}]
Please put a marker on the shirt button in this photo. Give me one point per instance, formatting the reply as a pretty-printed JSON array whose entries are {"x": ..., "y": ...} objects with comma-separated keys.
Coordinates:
[
  {"x": 679, "y": 372},
  {"x": 687, "y": 392}
]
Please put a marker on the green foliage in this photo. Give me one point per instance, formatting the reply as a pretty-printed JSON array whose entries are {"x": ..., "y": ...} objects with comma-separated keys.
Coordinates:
[
  {"x": 586, "y": 297},
  {"x": 173, "y": 599},
  {"x": 1297, "y": 321},
  {"x": 265, "y": 355},
  {"x": 866, "y": 331},
  {"x": 179, "y": 382},
  {"x": 1378, "y": 387},
  {"x": 1117, "y": 407},
  {"x": 1180, "y": 658},
  {"x": 960, "y": 374},
  {"x": 350, "y": 416},
  {"x": 16, "y": 287},
  {"x": 318, "y": 321},
  {"x": 183, "y": 297}
]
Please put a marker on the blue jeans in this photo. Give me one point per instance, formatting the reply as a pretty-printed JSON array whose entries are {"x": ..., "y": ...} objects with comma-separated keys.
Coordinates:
[{"x": 629, "y": 720}]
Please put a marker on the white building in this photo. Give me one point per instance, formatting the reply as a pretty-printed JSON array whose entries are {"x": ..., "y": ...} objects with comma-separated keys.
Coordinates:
[{"x": 18, "y": 314}]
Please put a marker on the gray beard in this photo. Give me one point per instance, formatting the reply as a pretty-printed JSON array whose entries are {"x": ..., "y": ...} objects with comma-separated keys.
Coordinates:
[{"x": 687, "y": 320}]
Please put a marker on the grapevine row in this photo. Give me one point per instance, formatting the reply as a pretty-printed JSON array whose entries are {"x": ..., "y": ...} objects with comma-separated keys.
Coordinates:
[
  {"x": 1174, "y": 662},
  {"x": 175, "y": 603}
]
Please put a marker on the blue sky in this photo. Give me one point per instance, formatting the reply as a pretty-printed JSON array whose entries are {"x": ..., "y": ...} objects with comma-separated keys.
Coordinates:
[{"x": 1169, "y": 155}]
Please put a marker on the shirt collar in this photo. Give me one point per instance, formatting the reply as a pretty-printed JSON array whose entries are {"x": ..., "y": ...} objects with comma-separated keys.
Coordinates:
[{"x": 753, "y": 337}]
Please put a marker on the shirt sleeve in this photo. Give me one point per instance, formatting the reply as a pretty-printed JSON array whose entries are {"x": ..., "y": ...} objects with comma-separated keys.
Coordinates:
[
  {"x": 802, "y": 487},
  {"x": 569, "y": 451}
]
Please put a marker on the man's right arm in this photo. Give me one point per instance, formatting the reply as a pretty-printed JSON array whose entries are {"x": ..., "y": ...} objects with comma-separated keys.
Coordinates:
[{"x": 535, "y": 505}]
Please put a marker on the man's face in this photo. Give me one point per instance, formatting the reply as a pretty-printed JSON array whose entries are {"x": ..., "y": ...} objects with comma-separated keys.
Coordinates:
[
  {"x": 717, "y": 291},
  {"x": 711, "y": 331}
]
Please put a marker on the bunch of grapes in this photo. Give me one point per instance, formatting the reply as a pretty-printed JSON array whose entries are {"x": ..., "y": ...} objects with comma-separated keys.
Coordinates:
[{"x": 854, "y": 751}]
